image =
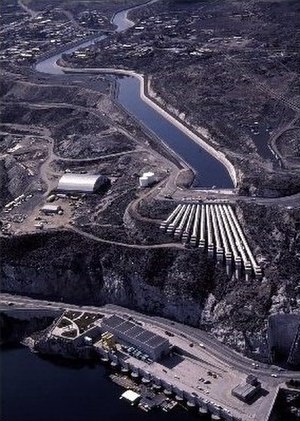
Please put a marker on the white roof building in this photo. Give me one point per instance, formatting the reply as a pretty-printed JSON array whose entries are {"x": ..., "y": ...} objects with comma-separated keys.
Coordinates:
[
  {"x": 147, "y": 179},
  {"x": 50, "y": 208},
  {"x": 130, "y": 396},
  {"x": 81, "y": 183}
]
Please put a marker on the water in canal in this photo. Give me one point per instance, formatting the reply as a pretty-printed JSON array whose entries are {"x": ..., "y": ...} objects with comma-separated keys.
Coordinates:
[{"x": 209, "y": 171}]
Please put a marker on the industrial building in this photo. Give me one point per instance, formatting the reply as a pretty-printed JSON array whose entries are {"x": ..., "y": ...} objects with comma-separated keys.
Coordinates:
[
  {"x": 82, "y": 183},
  {"x": 247, "y": 391},
  {"x": 152, "y": 344}
]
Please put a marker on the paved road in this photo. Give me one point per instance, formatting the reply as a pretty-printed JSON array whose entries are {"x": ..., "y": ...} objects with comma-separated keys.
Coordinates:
[
  {"x": 179, "y": 194},
  {"x": 170, "y": 185},
  {"x": 119, "y": 243},
  {"x": 215, "y": 348}
]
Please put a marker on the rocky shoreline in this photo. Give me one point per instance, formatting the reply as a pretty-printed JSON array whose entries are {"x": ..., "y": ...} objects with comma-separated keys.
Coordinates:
[{"x": 16, "y": 325}]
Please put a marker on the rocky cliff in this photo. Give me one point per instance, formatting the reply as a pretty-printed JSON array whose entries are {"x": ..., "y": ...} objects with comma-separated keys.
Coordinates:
[
  {"x": 181, "y": 284},
  {"x": 63, "y": 266},
  {"x": 15, "y": 327}
]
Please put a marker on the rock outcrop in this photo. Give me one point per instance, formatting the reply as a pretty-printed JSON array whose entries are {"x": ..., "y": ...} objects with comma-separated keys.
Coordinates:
[
  {"x": 63, "y": 266},
  {"x": 183, "y": 285},
  {"x": 16, "y": 325}
]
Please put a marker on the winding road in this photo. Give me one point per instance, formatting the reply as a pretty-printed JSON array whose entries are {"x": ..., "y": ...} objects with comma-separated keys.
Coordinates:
[
  {"x": 217, "y": 349},
  {"x": 167, "y": 186}
]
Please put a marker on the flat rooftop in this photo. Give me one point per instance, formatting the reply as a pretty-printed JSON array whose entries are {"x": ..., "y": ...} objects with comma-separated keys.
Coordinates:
[
  {"x": 203, "y": 375},
  {"x": 133, "y": 331},
  {"x": 244, "y": 390}
]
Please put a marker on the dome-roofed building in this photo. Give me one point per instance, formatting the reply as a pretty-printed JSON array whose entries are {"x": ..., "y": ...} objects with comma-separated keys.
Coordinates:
[{"x": 82, "y": 183}]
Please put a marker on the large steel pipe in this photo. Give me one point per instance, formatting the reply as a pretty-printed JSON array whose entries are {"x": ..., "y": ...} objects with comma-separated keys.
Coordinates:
[
  {"x": 186, "y": 234},
  {"x": 170, "y": 218},
  {"x": 220, "y": 251},
  {"x": 228, "y": 254},
  {"x": 173, "y": 225},
  {"x": 202, "y": 228},
  {"x": 238, "y": 241},
  {"x": 210, "y": 237},
  {"x": 256, "y": 267},
  {"x": 179, "y": 229},
  {"x": 195, "y": 233},
  {"x": 236, "y": 256}
]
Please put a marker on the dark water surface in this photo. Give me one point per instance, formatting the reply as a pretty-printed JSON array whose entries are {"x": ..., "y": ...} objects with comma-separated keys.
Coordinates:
[
  {"x": 210, "y": 172},
  {"x": 39, "y": 389}
]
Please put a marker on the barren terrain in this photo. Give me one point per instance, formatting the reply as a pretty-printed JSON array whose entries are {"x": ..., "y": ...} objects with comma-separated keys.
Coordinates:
[{"x": 229, "y": 68}]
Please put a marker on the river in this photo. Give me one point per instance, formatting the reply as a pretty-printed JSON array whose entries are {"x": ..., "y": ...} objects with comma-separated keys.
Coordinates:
[{"x": 39, "y": 389}]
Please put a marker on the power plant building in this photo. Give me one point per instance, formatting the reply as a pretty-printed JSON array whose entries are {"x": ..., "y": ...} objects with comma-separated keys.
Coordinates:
[
  {"x": 152, "y": 344},
  {"x": 81, "y": 183}
]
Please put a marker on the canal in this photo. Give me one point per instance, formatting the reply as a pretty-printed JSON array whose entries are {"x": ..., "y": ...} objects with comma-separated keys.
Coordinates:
[{"x": 209, "y": 171}]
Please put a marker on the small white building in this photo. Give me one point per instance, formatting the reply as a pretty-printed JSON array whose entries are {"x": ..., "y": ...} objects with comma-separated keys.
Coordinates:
[
  {"x": 130, "y": 396},
  {"x": 147, "y": 179}
]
